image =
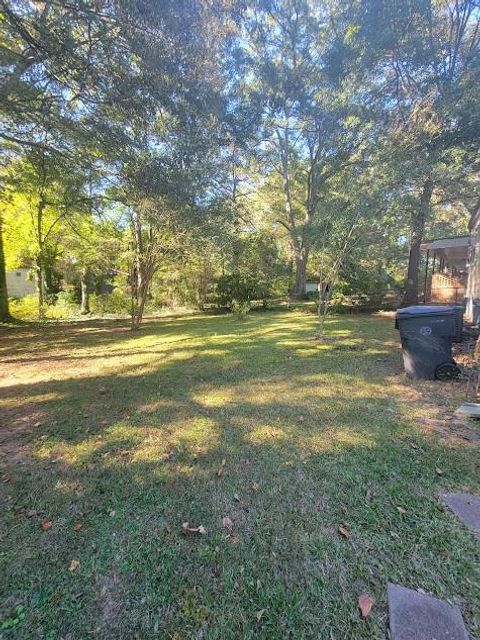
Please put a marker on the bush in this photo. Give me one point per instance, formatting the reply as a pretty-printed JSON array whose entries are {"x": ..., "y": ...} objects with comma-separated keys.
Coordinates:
[
  {"x": 116, "y": 302},
  {"x": 64, "y": 307},
  {"x": 240, "y": 309},
  {"x": 236, "y": 289},
  {"x": 27, "y": 308},
  {"x": 24, "y": 308}
]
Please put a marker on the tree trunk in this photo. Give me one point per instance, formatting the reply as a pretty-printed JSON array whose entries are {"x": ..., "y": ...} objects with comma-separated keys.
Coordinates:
[
  {"x": 4, "y": 311},
  {"x": 419, "y": 219},
  {"x": 40, "y": 286},
  {"x": 85, "y": 281},
  {"x": 40, "y": 260},
  {"x": 301, "y": 258},
  {"x": 143, "y": 269}
]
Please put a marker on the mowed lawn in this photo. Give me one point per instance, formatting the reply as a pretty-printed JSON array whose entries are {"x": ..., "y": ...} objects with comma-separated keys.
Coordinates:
[{"x": 269, "y": 439}]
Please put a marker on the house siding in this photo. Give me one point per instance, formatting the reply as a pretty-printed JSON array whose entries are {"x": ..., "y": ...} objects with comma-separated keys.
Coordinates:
[
  {"x": 19, "y": 285},
  {"x": 472, "y": 310}
]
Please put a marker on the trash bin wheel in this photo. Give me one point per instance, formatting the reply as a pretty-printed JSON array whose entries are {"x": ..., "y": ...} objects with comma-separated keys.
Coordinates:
[{"x": 447, "y": 371}]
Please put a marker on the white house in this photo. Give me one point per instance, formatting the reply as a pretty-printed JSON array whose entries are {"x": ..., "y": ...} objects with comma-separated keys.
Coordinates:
[{"x": 20, "y": 283}]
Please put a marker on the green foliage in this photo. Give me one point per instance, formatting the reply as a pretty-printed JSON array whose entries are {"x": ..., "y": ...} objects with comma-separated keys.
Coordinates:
[
  {"x": 176, "y": 142},
  {"x": 117, "y": 302},
  {"x": 237, "y": 290},
  {"x": 24, "y": 309},
  {"x": 62, "y": 306},
  {"x": 13, "y": 620}
]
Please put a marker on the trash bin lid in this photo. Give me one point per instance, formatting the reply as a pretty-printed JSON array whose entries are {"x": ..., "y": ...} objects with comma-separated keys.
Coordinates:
[{"x": 428, "y": 310}]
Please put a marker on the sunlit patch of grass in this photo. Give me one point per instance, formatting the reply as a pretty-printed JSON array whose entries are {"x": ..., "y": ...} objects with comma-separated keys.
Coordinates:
[{"x": 16, "y": 402}]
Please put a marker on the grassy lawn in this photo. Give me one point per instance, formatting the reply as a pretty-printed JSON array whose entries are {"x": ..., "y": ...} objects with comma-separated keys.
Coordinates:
[{"x": 112, "y": 440}]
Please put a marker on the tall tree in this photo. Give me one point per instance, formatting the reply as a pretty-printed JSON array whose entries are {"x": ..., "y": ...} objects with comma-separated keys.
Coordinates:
[
  {"x": 424, "y": 58},
  {"x": 314, "y": 122}
]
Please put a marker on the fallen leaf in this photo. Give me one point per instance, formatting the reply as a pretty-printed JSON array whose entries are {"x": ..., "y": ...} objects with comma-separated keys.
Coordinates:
[
  {"x": 74, "y": 564},
  {"x": 301, "y": 418},
  {"x": 186, "y": 529},
  {"x": 220, "y": 472},
  {"x": 31, "y": 513},
  {"x": 46, "y": 525},
  {"x": 255, "y": 486},
  {"x": 401, "y": 510},
  {"x": 78, "y": 526},
  {"x": 232, "y": 537},
  {"x": 365, "y": 604},
  {"x": 37, "y": 424},
  {"x": 227, "y": 523},
  {"x": 344, "y": 531},
  {"x": 259, "y": 614}
]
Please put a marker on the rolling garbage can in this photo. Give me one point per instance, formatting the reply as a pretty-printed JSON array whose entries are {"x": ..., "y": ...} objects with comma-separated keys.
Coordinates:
[{"x": 427, "y": 333}]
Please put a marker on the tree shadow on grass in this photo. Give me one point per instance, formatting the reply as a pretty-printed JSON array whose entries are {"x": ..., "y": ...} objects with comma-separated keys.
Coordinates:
[{"x": 308, "y": 444}]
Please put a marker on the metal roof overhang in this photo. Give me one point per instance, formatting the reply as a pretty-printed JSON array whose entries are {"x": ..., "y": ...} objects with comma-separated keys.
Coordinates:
[
  {"x": 460, "y": 242},
  {"x": 453, "y": 250}
]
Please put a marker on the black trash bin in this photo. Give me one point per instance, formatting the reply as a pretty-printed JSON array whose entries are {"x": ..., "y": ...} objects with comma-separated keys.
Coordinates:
[{"x": 427, "y": 333}]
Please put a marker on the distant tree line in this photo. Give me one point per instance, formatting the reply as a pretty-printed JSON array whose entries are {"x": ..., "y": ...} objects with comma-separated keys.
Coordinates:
[{"x": 192, "y": 151}]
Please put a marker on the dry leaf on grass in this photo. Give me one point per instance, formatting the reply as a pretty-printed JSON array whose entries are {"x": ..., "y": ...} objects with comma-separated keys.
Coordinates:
[
  {"x": 232, "y": 537},
  {"x": 365, "y": 604},
  {"x": 227, "y": 523},
  {"x": 186, "y": 529},
  {"x": 259, "y": 614},
  {"x": 255, "y": 486},
  {"x": 401, "y": 510},
  {"x": 46, "y": 525},
  {"x": 78, "y": 526},
  {"x": 74, "y": 564},
  {"x": 221, "y": 469},
  {"x": 344, "y": 531}
]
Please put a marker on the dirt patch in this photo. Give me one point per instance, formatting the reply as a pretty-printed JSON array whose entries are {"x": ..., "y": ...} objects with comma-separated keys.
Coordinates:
[{"x": 108, "y": 600}]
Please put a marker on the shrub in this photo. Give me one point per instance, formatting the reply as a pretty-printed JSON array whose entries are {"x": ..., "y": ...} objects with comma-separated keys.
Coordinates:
[
  {"x": 116, "y": 302},
  {"x": 237, "y": 289},
  {"x": 240, "y": 309},
  {"x": 64, "y": 307},
  {"x": 25, "y": 308}
]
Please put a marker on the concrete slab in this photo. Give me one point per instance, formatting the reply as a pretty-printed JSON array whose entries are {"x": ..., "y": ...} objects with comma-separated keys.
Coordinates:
[
  {"x": 416, "y": 616},
  {"x": 465, "y": 506},
  {"x": 470, "y": 409}
]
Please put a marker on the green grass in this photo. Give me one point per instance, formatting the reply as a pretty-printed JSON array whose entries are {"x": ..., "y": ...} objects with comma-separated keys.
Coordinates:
[{"x": 125, "y": 433}]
